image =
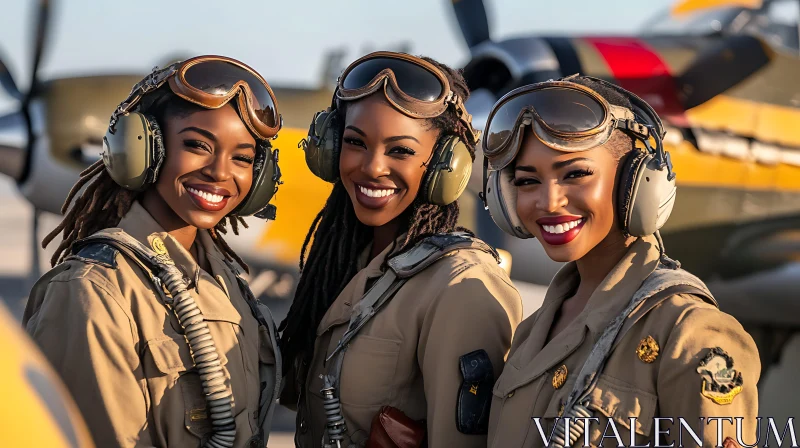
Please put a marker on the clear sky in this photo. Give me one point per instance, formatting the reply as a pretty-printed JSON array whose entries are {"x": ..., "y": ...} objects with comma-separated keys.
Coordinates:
[{"x": 284, "y": 40}]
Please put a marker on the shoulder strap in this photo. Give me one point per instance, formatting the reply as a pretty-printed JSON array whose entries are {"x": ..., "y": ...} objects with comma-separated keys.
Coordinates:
[
  {"x": 150, "y": 262},
  {"x": 659, "y": 285},
  {"x": 97, "y": 253},
  {"x": 432, "y": 248},
  {"x": 402, "y": 267},
  {"x": 123, "y": 242}
]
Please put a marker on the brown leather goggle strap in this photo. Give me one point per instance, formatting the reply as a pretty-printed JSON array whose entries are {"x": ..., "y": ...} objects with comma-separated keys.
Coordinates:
[
  {"x": 150, "y": 83},
  {"x": 634, "y": 127},
  {"x": 465, "y": 117}
]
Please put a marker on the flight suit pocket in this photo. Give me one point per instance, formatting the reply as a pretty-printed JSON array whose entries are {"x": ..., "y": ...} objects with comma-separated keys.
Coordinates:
[
  {"x": 172, "y": 357},
  {"x": 168, "y": 356},
  {"x": 196, "y": 417},
  {"x": 368, "y": 371},
  {"x": 620, "y": 401}
]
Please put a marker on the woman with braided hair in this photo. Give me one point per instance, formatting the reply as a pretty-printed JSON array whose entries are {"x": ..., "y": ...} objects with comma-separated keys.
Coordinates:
[
  {"x": 398, "y": 146},
  {"x": 145, "y": 315}
]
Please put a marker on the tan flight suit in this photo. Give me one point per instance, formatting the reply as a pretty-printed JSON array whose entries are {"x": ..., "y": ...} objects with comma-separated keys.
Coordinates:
[
  {"x": 123, "y": 355},
  {"x": 407, "y": 355},
  {"x": 661, "y": 379}
]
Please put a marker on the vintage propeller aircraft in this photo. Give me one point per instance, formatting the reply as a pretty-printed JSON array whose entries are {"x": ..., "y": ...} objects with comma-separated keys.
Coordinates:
[
  {"x": 723, "y": 75},
  {"x": 58, "y": 129},
  {"x": 721, "y": 72}
]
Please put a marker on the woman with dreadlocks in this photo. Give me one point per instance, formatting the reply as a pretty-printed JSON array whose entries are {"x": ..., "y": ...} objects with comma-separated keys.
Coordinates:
[
  {"x": 145, "y": 315},
  {"x": 401, "y": 319}
]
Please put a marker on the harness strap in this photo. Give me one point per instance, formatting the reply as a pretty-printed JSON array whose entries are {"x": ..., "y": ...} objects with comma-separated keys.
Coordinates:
[
  {"x": 135, "y": 251},
  {"x": 401, "y": 268},
  {"x": 151, "y": 263},
  {"x": 432, "y": 248},
  {"x": 659, "y": 286}
]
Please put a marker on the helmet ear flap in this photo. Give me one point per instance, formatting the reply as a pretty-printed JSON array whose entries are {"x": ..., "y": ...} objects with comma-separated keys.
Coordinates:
[
  {"x": 501, "y": 199},
  {"x": 266, "y": 178},
  {"x": 448, "y": 173},
  {"x": 134, "y": 151},
  {"x": 646, "y": 194},
  {"x": 323, "y": 145}
]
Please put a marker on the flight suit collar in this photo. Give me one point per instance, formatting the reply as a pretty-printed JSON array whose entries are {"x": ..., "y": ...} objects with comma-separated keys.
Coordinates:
[
  {"x": 561, "y": 287},
  {"x": 609, "y": 299},
  {"x": 617, "y": 289},
  {"x": 139, "y": 224},
  {"x": 340, "y": 310}
]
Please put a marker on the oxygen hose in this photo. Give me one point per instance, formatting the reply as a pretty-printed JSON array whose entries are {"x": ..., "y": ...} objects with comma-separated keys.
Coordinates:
[
  {"x": 576, "y": 429},
  {"x": 205, "y": 356},
  {"x": 333, "y": 415}
]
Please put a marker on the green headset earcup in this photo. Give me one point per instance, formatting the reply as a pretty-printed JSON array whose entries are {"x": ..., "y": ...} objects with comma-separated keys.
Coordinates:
[
  {"x": 133, "y": 153},
  {"x": 323, "y": 145},
  {"x": 448, "y": 172},
  {"x": 264, "y": 186}
]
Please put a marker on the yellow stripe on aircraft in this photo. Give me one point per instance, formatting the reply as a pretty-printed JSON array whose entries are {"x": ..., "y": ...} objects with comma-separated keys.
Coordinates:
[
  {"x": 695, "y": 168},
  {"x": 764, "y": 122},
  {"x": 690, "y": 6}
]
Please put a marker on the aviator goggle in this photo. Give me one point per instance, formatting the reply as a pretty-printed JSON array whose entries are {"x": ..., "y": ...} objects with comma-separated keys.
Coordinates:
[
  {"x": 211, "y": 82},
  {"x": 564, "y": 115},
  {"x": 414, "y": 86}
]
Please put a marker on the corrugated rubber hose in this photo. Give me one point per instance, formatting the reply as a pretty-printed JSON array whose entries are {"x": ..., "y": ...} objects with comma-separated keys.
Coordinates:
[
  {"x": 206, "y": 359},
  {"x": 576, "y": 428},
  {"x": 334, "y": 420}
]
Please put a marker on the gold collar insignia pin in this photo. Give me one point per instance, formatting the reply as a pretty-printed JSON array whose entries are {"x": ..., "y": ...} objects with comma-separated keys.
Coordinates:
[
  {"x": 647, "y": 350},
  {"x": 162, "y": 255},
  {"x": 560, "y": 377}
]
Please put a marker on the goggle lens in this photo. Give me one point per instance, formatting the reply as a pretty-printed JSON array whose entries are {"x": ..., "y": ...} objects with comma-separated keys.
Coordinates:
[
  {"x": 216, "y": 77},
  {"x": 414, "y": 80},
  {"x": 562, "y": 109}
]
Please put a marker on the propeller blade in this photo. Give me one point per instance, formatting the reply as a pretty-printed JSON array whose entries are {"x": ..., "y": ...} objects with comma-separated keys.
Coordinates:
[
  {"x": 471, "y": 16},
  {"x": 8, "y": 83},
  {"x": 42, "y": 26},
  {"x": 13, "y": 144}
]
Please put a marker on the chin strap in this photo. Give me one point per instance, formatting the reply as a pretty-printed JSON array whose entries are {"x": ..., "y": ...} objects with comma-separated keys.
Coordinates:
[{"x": 672, "y": 263}]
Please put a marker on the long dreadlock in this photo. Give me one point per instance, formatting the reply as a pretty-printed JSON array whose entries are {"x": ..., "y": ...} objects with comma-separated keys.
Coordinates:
[
  {"x": 103, "y": 203},
  {"x": 337, "y": 238}
]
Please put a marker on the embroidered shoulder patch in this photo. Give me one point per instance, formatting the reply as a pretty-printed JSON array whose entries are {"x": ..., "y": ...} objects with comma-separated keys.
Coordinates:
[{"x": 721, "y": 383}]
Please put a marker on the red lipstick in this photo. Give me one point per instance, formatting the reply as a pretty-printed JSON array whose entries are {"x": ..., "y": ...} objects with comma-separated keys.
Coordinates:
[
  {"x": 554, "y": 232},
  {"x": 206, "y": 197}
]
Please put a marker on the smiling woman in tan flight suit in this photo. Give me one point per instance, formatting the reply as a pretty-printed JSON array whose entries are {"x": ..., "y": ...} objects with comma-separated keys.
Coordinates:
[
  {"x": 624, "y": 337},
  {"x": 446, "y": 311},
  {"x": 148, "y": 322}
]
